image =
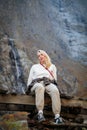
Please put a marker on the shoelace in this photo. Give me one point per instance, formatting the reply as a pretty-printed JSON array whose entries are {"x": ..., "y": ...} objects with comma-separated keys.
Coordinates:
[
  {"x": 58, "y": 120},
  {"x": 40, "y": 115}
]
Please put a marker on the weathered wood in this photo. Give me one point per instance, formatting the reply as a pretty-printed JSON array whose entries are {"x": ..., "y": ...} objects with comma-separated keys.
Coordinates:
[
  {"x": 51, "y": 124},
  {"x": 30, "y": 100},
  {"x": 66, "y": 124},
  {"x": 16, "y": 99},
  {"x": 74, "y": 102},
  {"x": 71, "y": 108}
]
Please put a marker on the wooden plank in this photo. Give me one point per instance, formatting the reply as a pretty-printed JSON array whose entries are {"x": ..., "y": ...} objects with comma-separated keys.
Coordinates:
[
  {"x": 30, "y": 100},
  {"x": 50, "y": 124},
  {"x": 17, "y": 99},
  {"x": 75, "y": 102},
  {"x": 63, "y": 125},
  {"x": 20, "y": 99},
  {"x": 17, "y": 107}
]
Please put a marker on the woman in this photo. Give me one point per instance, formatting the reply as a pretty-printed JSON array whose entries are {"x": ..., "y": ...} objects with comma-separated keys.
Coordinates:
[{"x": 41, "y": 79}]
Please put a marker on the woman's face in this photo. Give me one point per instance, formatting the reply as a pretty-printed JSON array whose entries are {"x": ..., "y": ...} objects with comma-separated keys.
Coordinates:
[{"x": 41, "y": 57}]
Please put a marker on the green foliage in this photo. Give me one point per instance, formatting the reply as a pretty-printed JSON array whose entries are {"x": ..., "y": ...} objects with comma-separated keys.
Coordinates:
[{"x": 13, "y": 125}]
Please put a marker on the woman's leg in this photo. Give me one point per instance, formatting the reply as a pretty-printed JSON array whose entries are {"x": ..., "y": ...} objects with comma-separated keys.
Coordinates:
[
  {"x": 53, "y": 91},
  {"x": 39, "y": 99},
  {"x": 39, "y": 96}
]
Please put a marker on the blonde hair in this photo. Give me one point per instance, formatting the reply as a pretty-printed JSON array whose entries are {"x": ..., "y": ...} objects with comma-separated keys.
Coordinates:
[{"x": 48, "y": 62}]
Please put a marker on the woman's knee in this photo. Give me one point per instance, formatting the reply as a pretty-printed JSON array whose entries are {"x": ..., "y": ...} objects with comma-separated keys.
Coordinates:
[
  {"x": 54, "y": 89},
  {"x": 39, "y": 87}
]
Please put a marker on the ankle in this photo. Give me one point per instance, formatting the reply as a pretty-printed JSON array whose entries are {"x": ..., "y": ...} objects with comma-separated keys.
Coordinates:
[
  {"x": 40, "y": 111},
  {"x": 57, "y": 116}
]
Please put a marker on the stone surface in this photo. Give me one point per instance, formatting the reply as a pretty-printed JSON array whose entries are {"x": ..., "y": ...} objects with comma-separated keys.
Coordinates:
[
  {"x": 59, "y": 27},
  {"x": 59, "y": 24}
]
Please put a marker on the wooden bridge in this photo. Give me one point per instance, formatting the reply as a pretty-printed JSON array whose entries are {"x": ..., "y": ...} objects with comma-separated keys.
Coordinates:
[
  {"x": 74, "y": 109},
  {"x": 24, "y": 102}
]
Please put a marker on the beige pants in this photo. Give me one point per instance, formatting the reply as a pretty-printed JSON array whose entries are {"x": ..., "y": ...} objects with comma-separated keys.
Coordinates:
[{"x": 52, "y": 90}]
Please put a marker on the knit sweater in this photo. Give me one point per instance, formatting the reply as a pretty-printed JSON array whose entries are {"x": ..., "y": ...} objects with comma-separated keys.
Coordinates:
[{"x": 38, "y": 71}]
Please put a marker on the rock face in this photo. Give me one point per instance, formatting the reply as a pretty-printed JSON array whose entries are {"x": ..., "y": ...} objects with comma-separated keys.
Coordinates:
[
  {"x": 59, "y": 27},
  {"x": 14, "y": 67},
  {"x": 59, "y": 24}
]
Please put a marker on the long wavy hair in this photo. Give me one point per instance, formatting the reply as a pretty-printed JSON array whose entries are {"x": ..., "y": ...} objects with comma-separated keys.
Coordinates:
[{"x": 48, "y": 59}]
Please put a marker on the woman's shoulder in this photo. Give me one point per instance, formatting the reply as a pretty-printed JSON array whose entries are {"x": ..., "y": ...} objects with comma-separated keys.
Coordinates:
[
  {"x": 35, "y": 65},
  {"x": 53, "y": 65}
]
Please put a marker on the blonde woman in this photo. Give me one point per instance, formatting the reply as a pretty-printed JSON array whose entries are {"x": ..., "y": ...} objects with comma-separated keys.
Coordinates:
[{"x": 41, "y": 79}]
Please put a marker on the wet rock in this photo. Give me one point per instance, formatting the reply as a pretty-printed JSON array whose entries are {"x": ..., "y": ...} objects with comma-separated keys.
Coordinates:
[
  {"x": 15, "y": 67},
  {"x": 59, "y": 24},
  {"x": 63, "y": 37},
  {"x": 68, "y": 83}
]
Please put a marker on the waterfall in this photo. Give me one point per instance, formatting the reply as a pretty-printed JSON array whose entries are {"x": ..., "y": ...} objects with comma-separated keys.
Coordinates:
[{"x": 18, "y": 71}]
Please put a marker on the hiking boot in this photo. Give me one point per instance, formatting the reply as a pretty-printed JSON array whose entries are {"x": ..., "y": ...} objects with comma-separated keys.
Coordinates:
[
  {"x": 41, "y": 117},
  {"x": 58, "y": 120}
]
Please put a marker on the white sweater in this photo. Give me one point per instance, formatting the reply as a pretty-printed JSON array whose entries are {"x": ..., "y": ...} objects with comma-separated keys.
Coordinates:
[{"x": 38, "y": 71}]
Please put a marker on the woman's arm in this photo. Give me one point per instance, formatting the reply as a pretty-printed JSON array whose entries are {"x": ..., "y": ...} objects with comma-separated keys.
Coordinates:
[
  {"x": 55, "y": 72},
  {"x": 30, "y": 77}
]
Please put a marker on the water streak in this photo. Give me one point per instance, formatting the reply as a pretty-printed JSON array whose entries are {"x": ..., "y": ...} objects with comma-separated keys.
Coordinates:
[{"x": 18, "y": 72}]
